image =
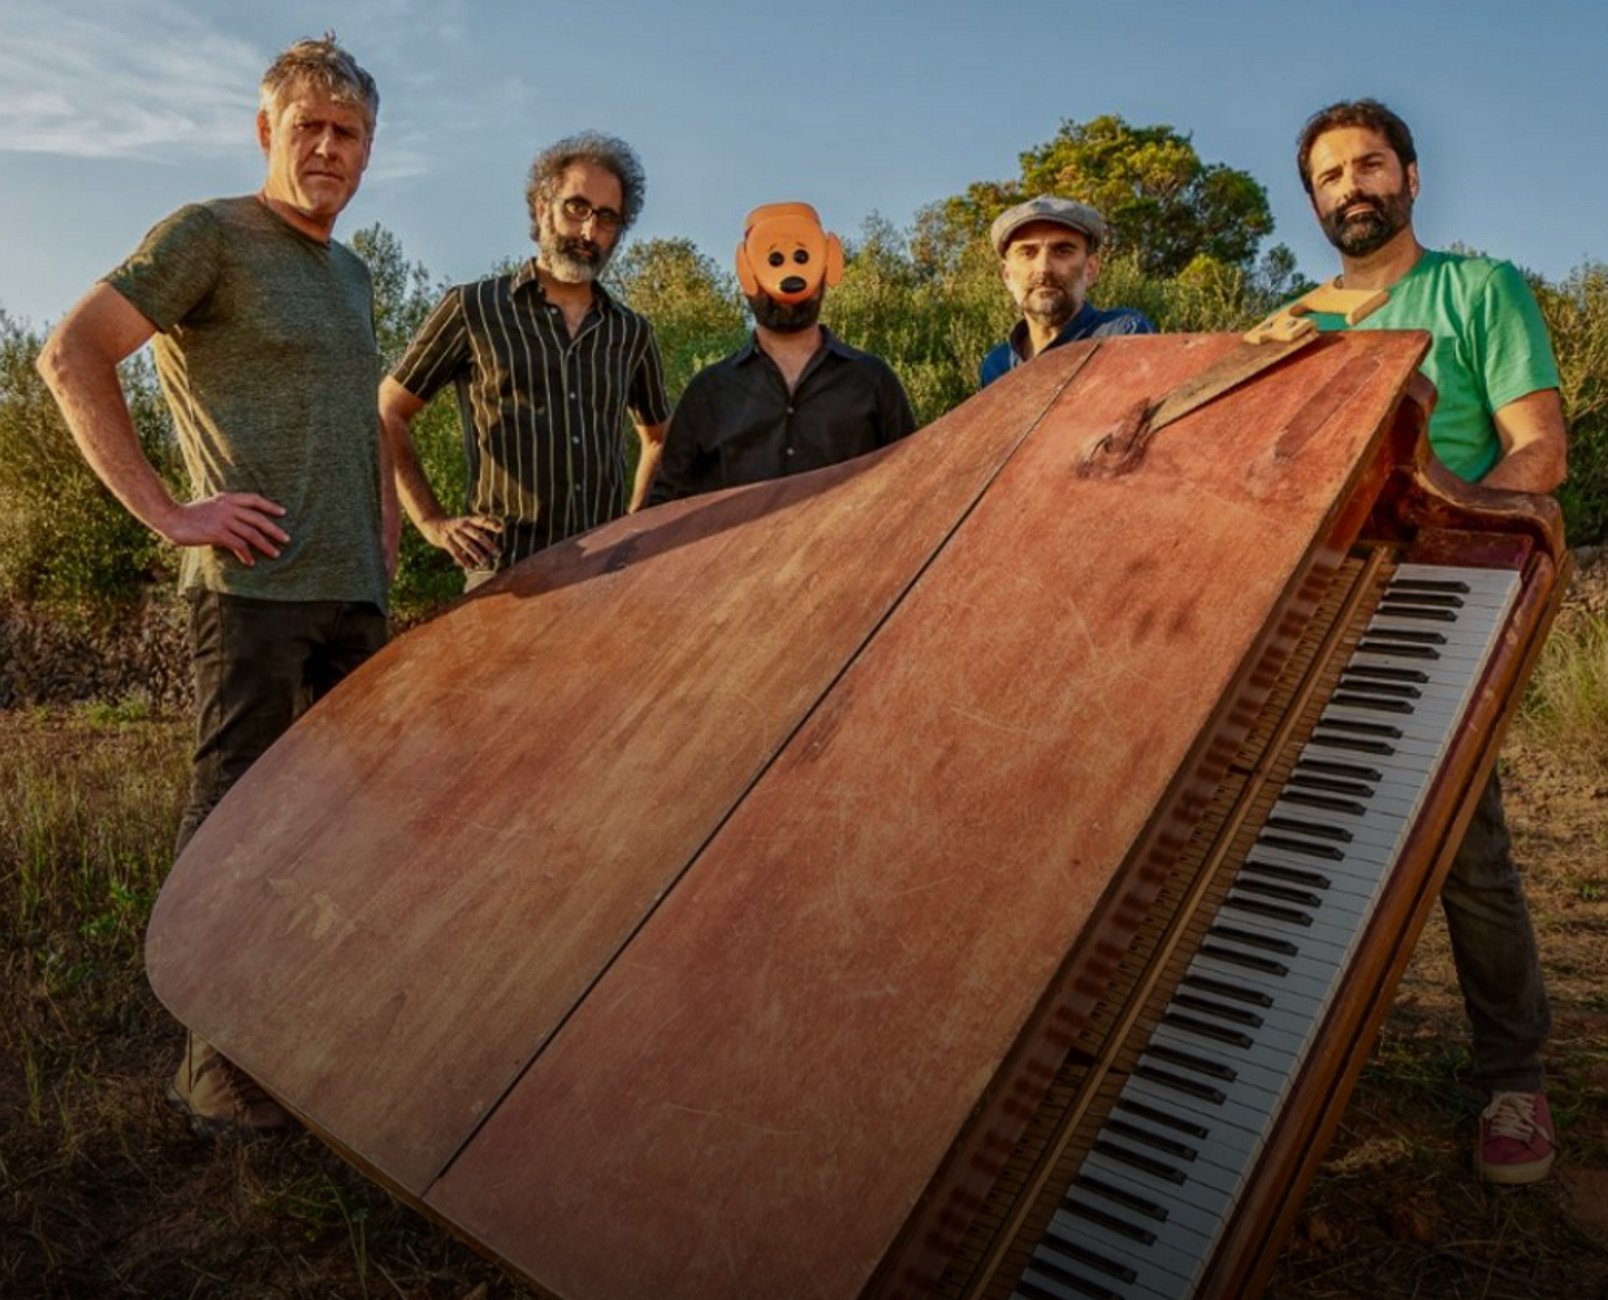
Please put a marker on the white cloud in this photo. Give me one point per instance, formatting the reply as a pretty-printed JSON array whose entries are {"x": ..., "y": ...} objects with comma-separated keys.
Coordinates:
[{"x": 157, "y": 81}]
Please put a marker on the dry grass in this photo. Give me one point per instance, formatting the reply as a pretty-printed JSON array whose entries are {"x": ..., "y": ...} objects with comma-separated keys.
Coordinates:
[{"x": 103, "y": 1193}]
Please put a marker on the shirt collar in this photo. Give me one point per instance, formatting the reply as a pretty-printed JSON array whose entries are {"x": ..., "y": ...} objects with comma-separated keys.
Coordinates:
[
  {"x": 526, "y": 275},
  {"x": 1019, "y": 332},
  {"x": 829, "y": 343}
]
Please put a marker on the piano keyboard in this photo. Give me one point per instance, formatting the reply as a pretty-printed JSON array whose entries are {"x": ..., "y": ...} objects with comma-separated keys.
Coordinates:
[{"x": 1164, "y": 1172}]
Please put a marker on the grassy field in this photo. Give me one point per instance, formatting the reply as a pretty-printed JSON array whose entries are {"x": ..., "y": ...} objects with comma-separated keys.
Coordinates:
[{"x": 104, "y": 1193}]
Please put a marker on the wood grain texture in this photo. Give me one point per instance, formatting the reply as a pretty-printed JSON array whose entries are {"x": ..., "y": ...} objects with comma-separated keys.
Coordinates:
[{"x": 659, "y": 916}]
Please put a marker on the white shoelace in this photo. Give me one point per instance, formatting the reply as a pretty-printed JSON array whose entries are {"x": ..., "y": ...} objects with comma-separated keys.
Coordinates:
[{"x": 1512, "y": 1115}]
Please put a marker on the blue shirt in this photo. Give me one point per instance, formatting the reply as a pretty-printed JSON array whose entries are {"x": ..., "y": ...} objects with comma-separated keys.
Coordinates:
[{"x": 1089, "y": 323}]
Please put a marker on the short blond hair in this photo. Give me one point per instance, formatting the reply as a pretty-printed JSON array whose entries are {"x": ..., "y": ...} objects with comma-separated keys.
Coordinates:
[{"x": 324, "y": 66}]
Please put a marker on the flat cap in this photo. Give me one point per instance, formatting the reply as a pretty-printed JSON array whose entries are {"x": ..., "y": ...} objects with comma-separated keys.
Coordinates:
[{"x": 1048, "y": 207}]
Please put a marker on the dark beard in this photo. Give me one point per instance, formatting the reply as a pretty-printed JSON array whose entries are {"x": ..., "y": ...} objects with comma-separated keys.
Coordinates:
[
  {"x": 786, "y": 317},
  {"x": 1369, "y": 231}
]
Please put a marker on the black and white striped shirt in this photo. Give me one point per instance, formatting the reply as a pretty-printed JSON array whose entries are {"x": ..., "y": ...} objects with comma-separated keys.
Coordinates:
[{"x": 540, "y": 410}]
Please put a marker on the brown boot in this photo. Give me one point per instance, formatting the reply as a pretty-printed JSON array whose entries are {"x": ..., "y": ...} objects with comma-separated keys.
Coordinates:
[{"x": 219, "y": 1099}]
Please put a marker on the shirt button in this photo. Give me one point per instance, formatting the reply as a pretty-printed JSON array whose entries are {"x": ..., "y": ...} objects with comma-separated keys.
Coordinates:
[
  {"x": 790, "y": 451},
  {"x": 576, "y": 441},
  {"x": 790, "y": 410}
]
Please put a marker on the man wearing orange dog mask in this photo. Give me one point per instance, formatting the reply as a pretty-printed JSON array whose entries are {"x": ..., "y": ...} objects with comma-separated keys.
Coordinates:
[{"x": 794, "y": 397}]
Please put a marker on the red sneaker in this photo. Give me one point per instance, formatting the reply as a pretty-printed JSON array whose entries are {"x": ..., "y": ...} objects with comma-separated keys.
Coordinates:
[{"x": 1516, "y": 1142}]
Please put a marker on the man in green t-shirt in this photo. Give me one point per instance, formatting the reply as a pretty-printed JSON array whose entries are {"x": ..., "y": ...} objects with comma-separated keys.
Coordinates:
[
  {"x": 1498, "y": 421},
  {"x": 264, "y": 341}
]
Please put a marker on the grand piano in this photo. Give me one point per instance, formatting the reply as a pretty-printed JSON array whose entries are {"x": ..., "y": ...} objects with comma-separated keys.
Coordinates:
[{"x": 976, "y": 870}]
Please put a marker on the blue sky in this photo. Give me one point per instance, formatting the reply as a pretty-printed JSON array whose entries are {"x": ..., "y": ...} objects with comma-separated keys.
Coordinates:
[{"x": 110, "y": 122}]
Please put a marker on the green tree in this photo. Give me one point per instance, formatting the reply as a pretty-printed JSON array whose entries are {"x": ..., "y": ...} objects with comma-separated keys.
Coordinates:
[
  {"x": 695, "y": 307},
  {"x": 1577, "y": 315},
  {"x": 64, "y": 538},
  {"x": 1163, "y": 203}
]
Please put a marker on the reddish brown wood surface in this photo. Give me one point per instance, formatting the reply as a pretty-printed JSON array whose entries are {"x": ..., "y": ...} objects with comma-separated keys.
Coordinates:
[
  {"x": 415, "y": 885},
  {"x": 695, "y": 880}
]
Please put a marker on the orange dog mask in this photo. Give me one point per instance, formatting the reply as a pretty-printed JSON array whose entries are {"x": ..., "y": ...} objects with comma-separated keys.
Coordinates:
[{"x": 786, "y": 255}]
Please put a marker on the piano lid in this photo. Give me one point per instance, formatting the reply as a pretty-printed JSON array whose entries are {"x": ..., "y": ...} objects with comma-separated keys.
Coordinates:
[{"x": 659, "y": 914}]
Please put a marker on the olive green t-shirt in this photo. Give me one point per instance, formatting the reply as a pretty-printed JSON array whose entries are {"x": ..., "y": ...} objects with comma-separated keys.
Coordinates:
[
  {"x": 1490, "y": 347},
  {"x": 267, "y": 357}
]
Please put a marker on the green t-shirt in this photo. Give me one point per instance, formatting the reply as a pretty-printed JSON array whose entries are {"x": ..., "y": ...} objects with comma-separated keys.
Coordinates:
[
  {"x": 267, "y": 356},
  {"x": 1490, "y": 347}
]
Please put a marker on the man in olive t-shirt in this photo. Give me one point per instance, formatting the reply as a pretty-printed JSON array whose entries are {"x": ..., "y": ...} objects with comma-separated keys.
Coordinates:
[{"x": 264, "y": 341}]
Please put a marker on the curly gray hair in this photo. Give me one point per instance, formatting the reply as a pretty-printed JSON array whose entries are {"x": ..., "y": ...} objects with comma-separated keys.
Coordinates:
[
  {"x": 324, "y": 66},
  {"x": 606, "y": 151}
]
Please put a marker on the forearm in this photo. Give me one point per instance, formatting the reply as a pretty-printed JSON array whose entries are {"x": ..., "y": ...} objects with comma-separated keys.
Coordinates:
[
  {"x": 647, "y": 469},
  {"x": 1537, "y": 467},
  {"x": 86, "y": 388},
  {"x": 408, "y": 482}
]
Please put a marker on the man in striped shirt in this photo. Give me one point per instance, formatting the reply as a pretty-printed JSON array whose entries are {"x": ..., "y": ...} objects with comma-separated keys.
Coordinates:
[{"x": 544, "y": 362}]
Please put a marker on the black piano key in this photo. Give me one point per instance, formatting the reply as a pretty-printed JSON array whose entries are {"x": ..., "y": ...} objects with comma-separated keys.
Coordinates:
[
  {"x": 1236, "y": 1015},
  {"x": 1334, "y": 767},
  {"x": 1318, "y": 830},
  {"x": 1281, "y": 892},
  {"x": 1251, "y": 939},
  {"x": 1188, "y": 1060},
  {"x": 1139, "y": 1160},
  {"x": 1223, "y": 989},
  {"x": 1411, "y": 635},
  {"x": 1325, "y": 851},
  {"x": 1185, "y": 1126},
  {"x": 1427, "y": 613},
  {"x": 1325, "y": 801},
  {"x": 1454, "y": 585},
  {"x": 1122, "y": 1197},
  {"x": 1273, "y": 911},
  {"x": 1401, "y": 690},
  {"x": 1382, "y": 674},
  {"x": 1439, "y": 600},
  {"x": 1373, "y": 703},
  {"x": 1295, "y": 875},
  {"x": 1084, "y": 1256},
  {"x": 1400, "y": 649},
  {"x": 1115, "y": 1222},
  {"x": 1360, "y": 728},
  {"x": 1248, "y": 960},
  {"x": 1205, "y": 1028},
  {"x": 1082, "y": 1286},
  {"x": 1356, "y": 743},
  {"x": 1143, "y": 1135},
  {"x": 1189, "y": 1087},
  {"x": 1304, "y": 780}
]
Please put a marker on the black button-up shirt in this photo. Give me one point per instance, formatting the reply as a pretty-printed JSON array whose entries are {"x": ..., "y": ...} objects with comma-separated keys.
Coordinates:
[
  {"x": 540, "y": 410},
  {"x": 737, "y": 423}
]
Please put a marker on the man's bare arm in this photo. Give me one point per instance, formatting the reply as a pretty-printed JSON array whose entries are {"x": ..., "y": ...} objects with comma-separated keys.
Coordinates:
[
  {"x": 1535, "y": 444},
  {"x": 652, "y": 439},
  {"x": 79, "y": 364},
  {"x": 473, "y": 541}
]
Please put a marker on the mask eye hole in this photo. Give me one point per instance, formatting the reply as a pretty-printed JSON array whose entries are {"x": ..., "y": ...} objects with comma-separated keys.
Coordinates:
[
  {"x": 801, "y": 256},
  {"x": 775, "y": 259}
]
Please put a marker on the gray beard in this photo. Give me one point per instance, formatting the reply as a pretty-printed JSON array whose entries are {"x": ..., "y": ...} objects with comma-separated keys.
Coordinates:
[
  {"x": 563, "y": 265},
  {"x": 571, "y": 270},
  {"x": 1051, "y": 312}
]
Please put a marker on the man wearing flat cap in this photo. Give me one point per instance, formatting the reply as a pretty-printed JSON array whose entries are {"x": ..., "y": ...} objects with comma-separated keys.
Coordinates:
[{"x": 1049, "y": 251}]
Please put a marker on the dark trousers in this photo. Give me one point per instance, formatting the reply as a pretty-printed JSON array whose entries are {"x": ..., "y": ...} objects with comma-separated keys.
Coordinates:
[
  {"x": 1493, "y": 944},
  {"x": 258, "y": 665}
]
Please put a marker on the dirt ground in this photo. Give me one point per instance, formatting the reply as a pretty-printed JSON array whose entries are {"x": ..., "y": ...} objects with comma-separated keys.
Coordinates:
[{"x": 103, "y": 1194}]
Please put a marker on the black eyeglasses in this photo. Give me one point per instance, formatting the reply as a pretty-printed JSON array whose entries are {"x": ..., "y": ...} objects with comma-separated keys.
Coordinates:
[{"x": 578, "y": 210}]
